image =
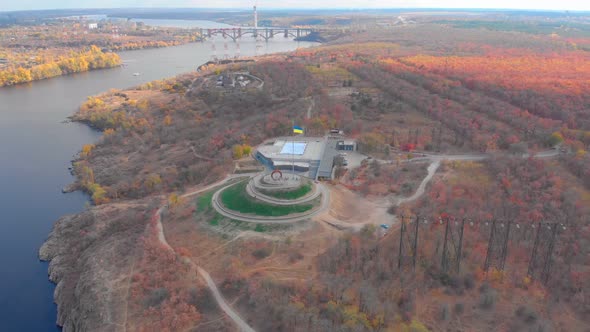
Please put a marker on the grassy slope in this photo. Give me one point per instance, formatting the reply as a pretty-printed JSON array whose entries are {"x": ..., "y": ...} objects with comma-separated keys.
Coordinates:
[
  {"x": 235, "y": 198},
  {"x": 290, "y": 194}
]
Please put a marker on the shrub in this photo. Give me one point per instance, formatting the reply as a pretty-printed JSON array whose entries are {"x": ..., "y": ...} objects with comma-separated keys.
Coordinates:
[
  {"x": 459, "y": 308},
  {"x": 527, "y": 314},
  {"x": 555, "y": 138},
  {"x": 392, "y": 210},
  {"x": 469, "y": 281},
  {"x": 295, "y": 256},
  {"x": 261, "y": 253},
  {"x": 487, "y": 298},
  {"x": 445, "y": 312},
  {"x": 156, "y": 297}
]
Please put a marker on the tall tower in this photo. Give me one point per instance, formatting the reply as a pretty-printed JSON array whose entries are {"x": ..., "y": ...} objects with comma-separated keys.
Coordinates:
[
  {"x": 256, "y": 34},
  {"x": 255, "y": 16}
]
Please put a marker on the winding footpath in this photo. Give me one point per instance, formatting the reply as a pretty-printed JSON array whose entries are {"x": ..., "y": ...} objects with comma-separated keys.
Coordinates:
[
  {"x": 253, "y": 192},
  {"x": 476, "y": 156},
  {"x": 437, "y": 159},
  {"x": 325, "y": 202},
  {"x": 242, "y": 325},
  {"x": 422, "y": 187},
  {"x": 221, "y": 302}
]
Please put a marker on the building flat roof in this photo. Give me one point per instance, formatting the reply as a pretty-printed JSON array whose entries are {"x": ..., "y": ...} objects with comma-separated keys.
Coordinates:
[
  {"x": 328, "y": 158},
  {"x": 282, "y": 148},
  {"x": 315, "y": 153},
  {"x": 295, "y": 148}
]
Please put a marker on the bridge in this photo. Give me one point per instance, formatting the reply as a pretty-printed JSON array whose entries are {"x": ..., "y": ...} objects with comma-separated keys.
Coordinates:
[{"x": 264, "y": 33}]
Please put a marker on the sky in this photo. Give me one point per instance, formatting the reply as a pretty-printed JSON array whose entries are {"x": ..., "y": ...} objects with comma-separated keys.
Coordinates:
[{"x": 6, "y": 5}]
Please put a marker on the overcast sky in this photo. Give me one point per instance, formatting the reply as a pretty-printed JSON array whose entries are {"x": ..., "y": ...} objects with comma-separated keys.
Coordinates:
[{"x": 6, "y": 5}]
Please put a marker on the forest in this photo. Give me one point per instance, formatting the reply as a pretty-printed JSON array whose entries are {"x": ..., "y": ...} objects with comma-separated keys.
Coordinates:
[
  {"x": 418, "y": 90},
  {"x": 91, "y": 59},
  {"x": 58, "y": 47}
]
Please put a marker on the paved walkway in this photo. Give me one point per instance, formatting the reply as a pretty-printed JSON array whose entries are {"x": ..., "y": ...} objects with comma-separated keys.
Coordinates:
[
  {"x": 324, "y": 205},
  {"x": 253, "y": 192}
]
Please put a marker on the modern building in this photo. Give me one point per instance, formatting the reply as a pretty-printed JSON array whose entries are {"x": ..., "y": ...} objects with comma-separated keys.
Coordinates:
[
  {"x": 346, "y": 145},
  {"x": 312, "y": 157},
  {"x": 327, "y": 162}
]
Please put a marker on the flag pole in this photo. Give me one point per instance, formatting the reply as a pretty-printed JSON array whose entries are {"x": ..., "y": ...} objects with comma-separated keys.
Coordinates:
[{"x": 293, "y": 148}]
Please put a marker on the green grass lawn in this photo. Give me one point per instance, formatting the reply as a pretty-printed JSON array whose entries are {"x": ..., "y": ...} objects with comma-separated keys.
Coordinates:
[
  {"x": 204, "y": 201},
  {"x": 290, "y": 194},
  {"x": 235, "y": 198}
]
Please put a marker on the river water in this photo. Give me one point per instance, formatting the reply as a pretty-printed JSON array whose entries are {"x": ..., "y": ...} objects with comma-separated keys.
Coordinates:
[{"x": 36, "y": 147}]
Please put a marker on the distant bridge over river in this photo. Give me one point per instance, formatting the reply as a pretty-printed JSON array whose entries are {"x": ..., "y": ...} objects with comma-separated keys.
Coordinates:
[{"x": 264, "y": 33}]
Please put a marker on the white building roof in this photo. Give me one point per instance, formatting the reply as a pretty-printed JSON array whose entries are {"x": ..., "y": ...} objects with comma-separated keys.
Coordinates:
[{"x": 306, "y": 148}]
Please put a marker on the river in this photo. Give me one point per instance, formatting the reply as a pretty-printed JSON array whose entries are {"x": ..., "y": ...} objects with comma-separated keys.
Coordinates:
[{"x": 36, "y": 147}]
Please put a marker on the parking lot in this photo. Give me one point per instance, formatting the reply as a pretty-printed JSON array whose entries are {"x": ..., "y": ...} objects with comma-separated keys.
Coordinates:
[{"x": 353, "y": 158}]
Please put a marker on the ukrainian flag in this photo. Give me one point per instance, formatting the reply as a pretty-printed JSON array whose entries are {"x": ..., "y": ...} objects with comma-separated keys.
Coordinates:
[{"x": 297, "y": 130}]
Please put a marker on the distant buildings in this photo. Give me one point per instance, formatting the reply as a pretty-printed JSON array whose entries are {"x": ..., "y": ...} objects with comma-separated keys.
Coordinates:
[{"x": 93, "y": 26}]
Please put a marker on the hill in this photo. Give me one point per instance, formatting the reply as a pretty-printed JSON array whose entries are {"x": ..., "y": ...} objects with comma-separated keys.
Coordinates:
[{"x": 416, "y": 97}]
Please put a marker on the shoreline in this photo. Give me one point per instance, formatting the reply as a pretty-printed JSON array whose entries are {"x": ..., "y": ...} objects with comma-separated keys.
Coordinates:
[
  {"x": 122, "y": 64},
  {"x": 62, "y": 268},
  {"x": 57, "y": 76}
]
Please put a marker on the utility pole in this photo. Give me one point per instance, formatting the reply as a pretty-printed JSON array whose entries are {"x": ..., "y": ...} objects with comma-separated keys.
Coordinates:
[
  {"x": 445, "y": 257},
  {"x": 505, "y": 246},
  {"x": 401, "y": 244},
  {"x": 548, "y": 256},
  {"x": 411, "y": 243},
  {"x": 497, "y": 246},
  {"x": 490, "y": 246},
  {"x": 415, "y": 249},
  {"x": 534, "y": 252},
  {"x": 460, "y": 250},
  {"x": 542, "y": 253}
]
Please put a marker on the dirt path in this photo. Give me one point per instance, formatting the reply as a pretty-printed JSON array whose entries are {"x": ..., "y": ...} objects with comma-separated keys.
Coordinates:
[
  {"x": 242, "y": 325},
  {"x": 376, "y": 213},
  {"x": 422, "y": 187},
  {"x": 473, "y": 156},
  {"x": 221, "y": 302},
  {"x": 200, "y": 156}
]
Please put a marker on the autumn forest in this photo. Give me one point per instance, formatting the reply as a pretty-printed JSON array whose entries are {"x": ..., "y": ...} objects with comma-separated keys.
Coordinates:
[
  {"x": 466, "y": 131},
  {"x": 63, "y": 47}
]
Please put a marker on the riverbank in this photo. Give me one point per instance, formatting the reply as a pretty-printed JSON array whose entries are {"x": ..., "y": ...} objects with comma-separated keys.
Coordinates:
[
  {"x": 83, "y": 61},
  {"x": 34, "y": 53},
  {"x": 144, "y": 153},
  {"x": 314, "y": 36},
  {"x": 163, "y": 138},
  {"x": 39, "y": 145}
]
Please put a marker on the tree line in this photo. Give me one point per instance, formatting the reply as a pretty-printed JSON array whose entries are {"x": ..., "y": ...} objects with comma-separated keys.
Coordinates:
[{"x": 76, "y": 62}]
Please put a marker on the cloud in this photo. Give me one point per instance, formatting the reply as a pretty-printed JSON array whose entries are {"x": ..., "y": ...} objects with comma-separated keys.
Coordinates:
[{"x": 523, "y": 4}]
